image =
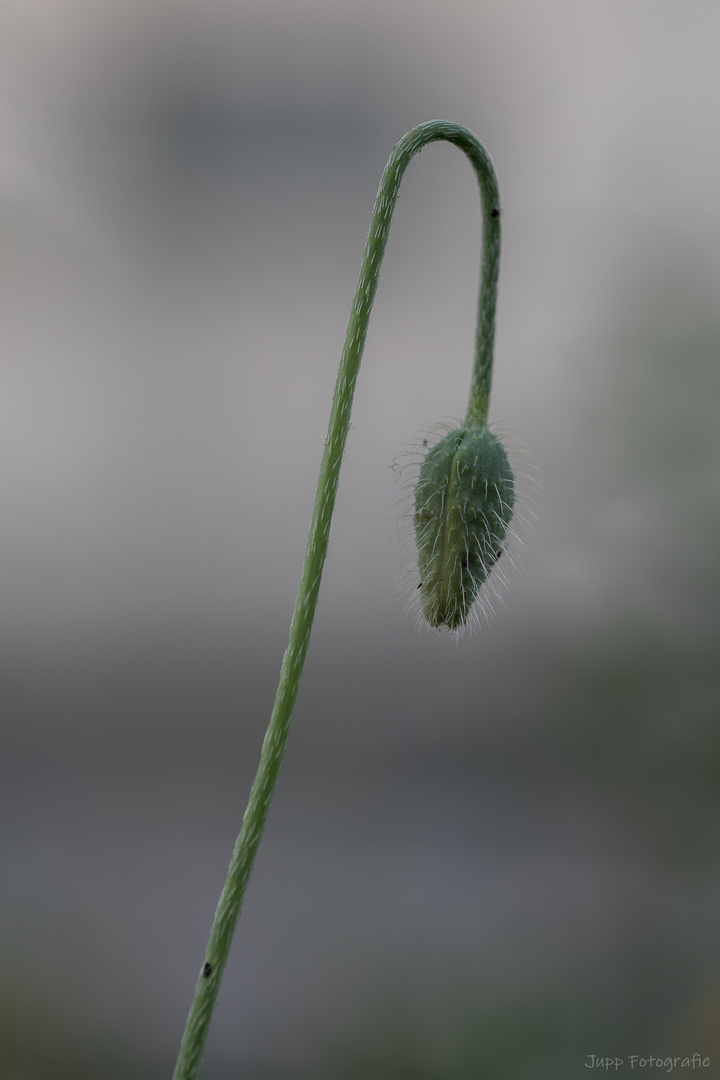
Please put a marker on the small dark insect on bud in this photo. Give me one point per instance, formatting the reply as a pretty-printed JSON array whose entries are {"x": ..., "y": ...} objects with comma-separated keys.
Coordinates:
[{"x": 207, "y": 971}]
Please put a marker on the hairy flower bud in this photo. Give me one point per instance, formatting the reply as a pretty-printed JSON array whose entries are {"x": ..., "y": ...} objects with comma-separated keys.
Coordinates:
[{"x": 464, "y": 502}]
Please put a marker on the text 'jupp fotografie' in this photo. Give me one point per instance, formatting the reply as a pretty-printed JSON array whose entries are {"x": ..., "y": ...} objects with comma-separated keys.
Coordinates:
[{"x": 636, "y": 1061}]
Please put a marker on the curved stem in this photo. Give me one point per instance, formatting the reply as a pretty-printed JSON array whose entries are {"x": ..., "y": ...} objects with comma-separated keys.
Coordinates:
[{"x": 248, "y": 842}]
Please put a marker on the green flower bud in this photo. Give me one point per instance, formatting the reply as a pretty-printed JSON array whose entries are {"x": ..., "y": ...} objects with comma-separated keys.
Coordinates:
[{"x": 464, "y": 502}]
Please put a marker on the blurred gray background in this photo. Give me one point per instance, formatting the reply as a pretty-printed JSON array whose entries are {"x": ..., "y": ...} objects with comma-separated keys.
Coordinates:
[{"x": 485, "y": 859}]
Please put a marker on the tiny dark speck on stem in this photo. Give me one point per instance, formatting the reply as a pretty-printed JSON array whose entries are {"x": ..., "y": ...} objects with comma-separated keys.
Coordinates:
[
  {"x": 495, "y": 212},
  {"x": 207, "y": 971}
]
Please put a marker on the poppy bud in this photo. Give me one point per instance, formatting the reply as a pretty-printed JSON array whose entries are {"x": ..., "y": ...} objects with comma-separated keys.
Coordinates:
[{"x": 464, "y": 501}]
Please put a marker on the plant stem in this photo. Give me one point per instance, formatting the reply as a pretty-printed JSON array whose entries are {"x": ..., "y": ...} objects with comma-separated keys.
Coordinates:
[{"x": 248, "y": 842}]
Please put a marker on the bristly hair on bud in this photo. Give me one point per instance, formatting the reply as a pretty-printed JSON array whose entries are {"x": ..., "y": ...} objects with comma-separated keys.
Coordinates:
[{"x": 464, "y": 501}]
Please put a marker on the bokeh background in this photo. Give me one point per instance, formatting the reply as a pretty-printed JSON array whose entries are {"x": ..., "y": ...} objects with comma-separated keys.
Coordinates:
[{"x": 490, "y": 858}]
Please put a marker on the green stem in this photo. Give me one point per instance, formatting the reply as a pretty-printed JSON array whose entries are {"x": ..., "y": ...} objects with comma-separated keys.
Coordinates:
[{"x": 248, "y": 842}]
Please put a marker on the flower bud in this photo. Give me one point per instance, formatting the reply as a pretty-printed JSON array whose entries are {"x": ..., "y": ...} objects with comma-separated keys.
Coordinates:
[{"x": 464, "y": 502}]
